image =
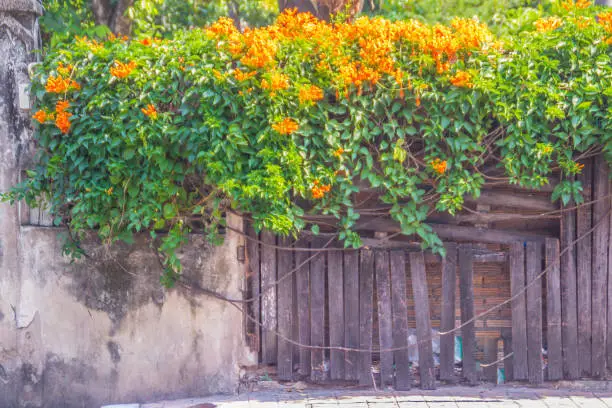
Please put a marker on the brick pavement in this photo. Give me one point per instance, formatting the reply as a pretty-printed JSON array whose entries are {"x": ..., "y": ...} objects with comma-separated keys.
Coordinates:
[{"x": 444, "y": 397}]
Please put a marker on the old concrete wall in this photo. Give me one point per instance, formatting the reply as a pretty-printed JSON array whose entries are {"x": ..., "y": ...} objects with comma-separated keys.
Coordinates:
[{"x": 104, "y": 330}]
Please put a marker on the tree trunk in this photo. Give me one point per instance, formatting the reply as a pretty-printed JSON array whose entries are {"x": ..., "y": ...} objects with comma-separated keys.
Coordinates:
[
  {"x": 322, "y": 9},
  {"x": 113, "y": 15}
]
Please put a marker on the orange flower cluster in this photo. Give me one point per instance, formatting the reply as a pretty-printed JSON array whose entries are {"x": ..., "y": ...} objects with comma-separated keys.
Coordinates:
[
  {"x": 605, "y": 19},
  {"x": 150, "y": 111},
  {"x": 310, "y": 94},
  {"x": 121, "y": 70},
  {"x": 60, "y": 84},
  {"x": 438, "y": 165},
  {"x": 286, "y": 127},
  {"x": 548, "y": 24},
  {"x": 462, "y": 79},
  {"x": 93, "y": 45},
  {"x": 569, "y": 5},
  {"x": 223, "y": 27},
  {"x": 339, "y": 152},
  {"x": 241, "y": 75},
  {"x": 40, "y": 116},
  {"x": 147, "y": 42},
  {"x": 62, "y": 119},
  {"x": 319, "y": 190},
  {"x": 260, "y": 49},
  {"x": 277, "y": 82},
  {"x": 118, "y": 37}
]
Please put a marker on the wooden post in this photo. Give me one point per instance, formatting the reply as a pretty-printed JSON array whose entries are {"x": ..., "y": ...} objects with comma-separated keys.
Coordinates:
[
  {"x": 403, "y": 377},
  {"x": 351, "y": 313},
  {"x": 553, "y": 311},
  {"x": 519, "y": 311},
  {"x": 385, "y": 323},
  {"x": 302, "y": 277},
  {"x": 447, "y": 319},
  {"x": 533, "y": 267},
  {"x": 366, "y": 283},
  {"x": 254, "y": 279},
  {"x": 583, "y": 270},
  {"x": 600, "y": 266},
  {"x": 317, "y": 313},
  {"x": 423, "y": 320},
  {"x": 284, "y": 365},
  {"x": 466, "y": 289},
  {"x": 268, "y": 299},
  {"x": 569, "y": 318},
  {"x": 335, "y": 300}
]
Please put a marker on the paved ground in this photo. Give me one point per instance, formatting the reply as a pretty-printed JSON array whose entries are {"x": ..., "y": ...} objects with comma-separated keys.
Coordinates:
[{"x": 444, "y": 397}]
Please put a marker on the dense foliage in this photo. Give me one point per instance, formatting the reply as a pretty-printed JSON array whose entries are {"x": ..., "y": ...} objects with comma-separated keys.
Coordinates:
[{"x": 294, "y": 118}]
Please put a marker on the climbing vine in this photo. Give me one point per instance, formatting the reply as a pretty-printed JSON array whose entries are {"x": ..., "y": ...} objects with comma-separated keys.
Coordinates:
[{"x": 296, "y": 118}]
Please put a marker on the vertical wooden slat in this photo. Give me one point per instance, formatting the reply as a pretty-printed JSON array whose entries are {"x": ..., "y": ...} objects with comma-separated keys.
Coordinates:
[
  {"x": 254, "y": 280},
  {"x": 466, "y": 289},
  {"x": 351, "y": 313},
  {"x": 583, "y": 271},
  {"x": 609, "y": 330},
  {"x": 519, "y": 311},
  {"x": 268, "y": 298},
  {"x": 490, "y": 356},
  {"x": 317, "y": 313},
  {"x": 569, "y": 318},
  {"x": 447, "y": 322},
  {"x": 335, "y": 280},
  {"x": 553, "y": 311},
  {"x": 366, "y": 283},
  {"x": 284, "y": 364},
  {"x": 385, "y": 323},
  {"x": 303, "y": 304},
  {"x": 403, "y": 377},
  {"x": 533, "y": 267},
  {"x": 506, "y": 334},
  {"x": 600, "y": 266},
  {"x": 423, "y": 320}
]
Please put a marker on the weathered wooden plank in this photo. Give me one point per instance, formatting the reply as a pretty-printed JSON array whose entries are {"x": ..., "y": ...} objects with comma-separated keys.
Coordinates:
[
  {"x": 351, "y": 314},
  {"x": 284, "y": 362},
  {"x": 569, "y": 317},
  {"x": 335, "y": 300},
  {"x": 385, "y": 322},
  {"x": 317, "y": 313},
  {"x": 583, "y": 270},
  {"x": 403, "y": 377},
  {"x": 600, "y": 267},
  {"x": 490, "y": 356},
  {"x": 533, "y": 267},
  {"x": 553, "y": 311},
  {"x": 466, "y": 290},
  {"x": 366, "y": 294},
  {"x": 447, "y": 319},
  {"x": 506, "y": 334},
  {"x": 423, "y": 320},
  {"x": 519, "y": 311},
  {"x": 609, "y": 335},
  {"x": 302, "y": 278},
  {"x": 253, "y": 279},
  {"x": 268, "y": 299}
]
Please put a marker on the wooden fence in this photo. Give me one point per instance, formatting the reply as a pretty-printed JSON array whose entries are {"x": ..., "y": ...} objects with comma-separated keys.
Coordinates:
[{"x": 330, "y": 314}]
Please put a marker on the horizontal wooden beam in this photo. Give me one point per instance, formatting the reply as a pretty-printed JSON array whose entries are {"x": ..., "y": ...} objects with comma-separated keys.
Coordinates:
[
  {"x": 521, "y": 201},
  {"x": 445, "y": 231}
]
